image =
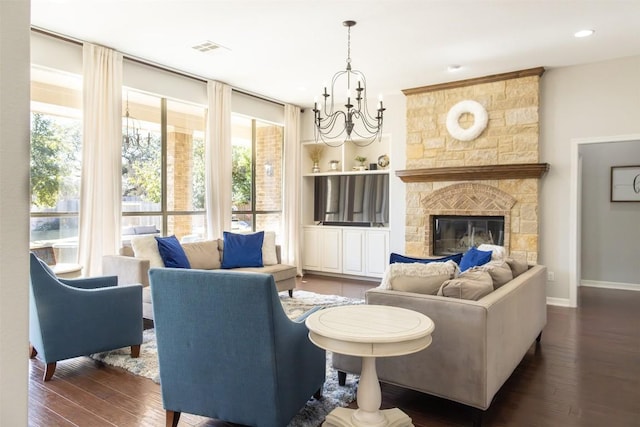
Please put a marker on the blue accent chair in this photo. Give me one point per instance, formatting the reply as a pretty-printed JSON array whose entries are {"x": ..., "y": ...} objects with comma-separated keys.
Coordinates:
[
  {"x": 228, "y": 351},
  {"x": 78, "y": 317}
]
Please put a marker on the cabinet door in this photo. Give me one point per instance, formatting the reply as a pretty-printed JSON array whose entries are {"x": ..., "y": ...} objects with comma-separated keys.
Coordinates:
[
  {"x": 377, "y": 252},
  {"x": 311, "y": 250},
  {"x": 353, "y": 258},
  {"x": 331, "y": 247}
]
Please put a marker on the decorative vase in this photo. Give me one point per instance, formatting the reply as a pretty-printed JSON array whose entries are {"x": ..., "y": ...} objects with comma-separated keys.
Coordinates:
[{"x": 316, "y": 167}]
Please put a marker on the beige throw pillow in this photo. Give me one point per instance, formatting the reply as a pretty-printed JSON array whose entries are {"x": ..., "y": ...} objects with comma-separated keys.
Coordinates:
[
  {"x": 499, "y": 270},
  {"x": 473, "y": 284},
  {"x": 146, "y": 247},
  {"x": 269, "y": 256},
  {"x": 203, "y": 255},
  {"x": 517, "y": 267},
  {"x": 418, "y": 277}
]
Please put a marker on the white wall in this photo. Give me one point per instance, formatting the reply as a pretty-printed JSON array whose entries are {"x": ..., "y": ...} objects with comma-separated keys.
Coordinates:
[
  {"x": 610, "y": 230},
  {"x": 594, "y": 100},
  {"x": 14, "y": 211}
]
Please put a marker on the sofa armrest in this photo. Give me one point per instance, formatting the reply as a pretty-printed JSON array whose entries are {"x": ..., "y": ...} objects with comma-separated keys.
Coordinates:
[
  {"x": 129, "y": 270},
  {"x": 517, "y": 313},
  {"x": 454, "y": 365}
]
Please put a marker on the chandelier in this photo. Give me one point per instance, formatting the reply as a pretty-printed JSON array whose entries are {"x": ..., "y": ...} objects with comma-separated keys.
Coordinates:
[
  {"x": 131, "y": 133},
  {"x": 355, "y": 124}
]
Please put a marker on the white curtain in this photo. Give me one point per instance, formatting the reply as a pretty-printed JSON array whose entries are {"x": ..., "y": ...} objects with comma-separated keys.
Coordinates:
[
  {"x": 218, "y": 159},
  {"x": 100, "y": 187},
  {"x": 291, "y": 209}
]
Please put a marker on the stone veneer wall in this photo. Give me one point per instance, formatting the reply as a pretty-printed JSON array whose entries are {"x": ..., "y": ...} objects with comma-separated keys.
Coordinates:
[{"x": 511, "y": 136}]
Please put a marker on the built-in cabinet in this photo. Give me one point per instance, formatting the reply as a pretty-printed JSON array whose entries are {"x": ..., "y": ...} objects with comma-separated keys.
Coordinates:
[
  {"x": 342, "y": 249},
  {"x": 355, "y": 251}
]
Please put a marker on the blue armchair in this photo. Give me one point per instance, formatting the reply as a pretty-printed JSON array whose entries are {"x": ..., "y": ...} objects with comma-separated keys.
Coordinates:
[
  {"x": 228, "y": 351},
  {"x": 78, "y": 317}
]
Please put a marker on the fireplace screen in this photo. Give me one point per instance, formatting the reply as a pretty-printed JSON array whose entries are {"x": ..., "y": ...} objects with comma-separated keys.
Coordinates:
[{"x": 454, "y": 234}]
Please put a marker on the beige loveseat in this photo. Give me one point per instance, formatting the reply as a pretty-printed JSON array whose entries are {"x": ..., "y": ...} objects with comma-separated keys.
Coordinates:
[
  {"x": 204, "y": 255},
  {"x": 476, "y": 344}
]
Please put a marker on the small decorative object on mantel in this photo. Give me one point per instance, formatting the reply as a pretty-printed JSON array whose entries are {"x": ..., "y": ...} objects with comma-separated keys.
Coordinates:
[
  {"x": 360, "y": 160},
  {"x": 480, "y": 120},
  {"x": 383, "y": 161},
  {"x": 315, "y": 153}
]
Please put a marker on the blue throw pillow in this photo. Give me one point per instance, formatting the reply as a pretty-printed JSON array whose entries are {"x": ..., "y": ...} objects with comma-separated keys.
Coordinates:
[
  {"x": 473, "y": 258},
  {"x": 394, "y": 257},
  {"x": 172, "y": 253},
  {"x": 242, "y": 250}
]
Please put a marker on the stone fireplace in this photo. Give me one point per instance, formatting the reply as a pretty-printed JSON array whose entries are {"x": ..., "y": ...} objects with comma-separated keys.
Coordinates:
[{"x": 494, "y": 175}]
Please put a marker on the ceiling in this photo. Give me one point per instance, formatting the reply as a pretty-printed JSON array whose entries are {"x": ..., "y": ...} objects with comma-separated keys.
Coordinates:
[{"x": 287, "y": 50}]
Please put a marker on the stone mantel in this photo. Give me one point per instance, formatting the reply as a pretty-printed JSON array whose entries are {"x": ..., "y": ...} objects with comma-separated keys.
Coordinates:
[{"x": 475, "y": 173}]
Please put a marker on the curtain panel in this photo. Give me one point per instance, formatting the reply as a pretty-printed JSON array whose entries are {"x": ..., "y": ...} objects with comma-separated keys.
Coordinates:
[
  {"x": 218, "y": 159},
  {"x": 291, "y": 210},
  {"x": 100, "y": 188}
]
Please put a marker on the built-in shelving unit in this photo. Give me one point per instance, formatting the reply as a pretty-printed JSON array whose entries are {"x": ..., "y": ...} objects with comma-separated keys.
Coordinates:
[
  {"x": 345, "y": 155},
  {"x": 342, "y": 250}
]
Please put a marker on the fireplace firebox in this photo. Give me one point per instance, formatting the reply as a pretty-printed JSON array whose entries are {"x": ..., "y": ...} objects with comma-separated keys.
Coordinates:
[{"x": 454, "y": 233}]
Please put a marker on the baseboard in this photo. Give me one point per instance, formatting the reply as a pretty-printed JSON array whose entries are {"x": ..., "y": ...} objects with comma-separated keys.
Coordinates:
[
  {"x": 610, "y": 285},
  {"x": 561, "y": 302}
]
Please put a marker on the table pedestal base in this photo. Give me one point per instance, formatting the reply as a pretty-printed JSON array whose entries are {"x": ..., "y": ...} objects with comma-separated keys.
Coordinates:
[{"x": 343, "y": 417}]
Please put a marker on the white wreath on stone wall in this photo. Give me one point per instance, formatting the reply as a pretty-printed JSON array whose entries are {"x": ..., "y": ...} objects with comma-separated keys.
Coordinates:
[{"x": 480, "y": 119}]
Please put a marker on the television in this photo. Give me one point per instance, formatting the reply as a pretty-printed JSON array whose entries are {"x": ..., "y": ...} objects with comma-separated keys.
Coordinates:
[{"x": 351, "y": 200}]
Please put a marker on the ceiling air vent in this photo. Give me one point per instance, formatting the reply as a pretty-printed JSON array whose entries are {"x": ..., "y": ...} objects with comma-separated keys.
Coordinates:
[{"x": 206, "y": 46}]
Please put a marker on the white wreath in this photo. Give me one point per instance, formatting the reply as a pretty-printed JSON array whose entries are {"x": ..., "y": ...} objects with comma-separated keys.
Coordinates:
[{"x": 480, "y": 119}]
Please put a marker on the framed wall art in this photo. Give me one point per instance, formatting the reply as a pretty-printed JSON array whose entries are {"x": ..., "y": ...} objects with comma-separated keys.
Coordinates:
[{"x": 625, "y": 183}]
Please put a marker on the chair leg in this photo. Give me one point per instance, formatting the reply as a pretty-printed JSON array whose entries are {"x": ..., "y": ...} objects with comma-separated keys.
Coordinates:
[
  {"x": 342, "y": 378},
  {"x": 172, "y": 418},
  {"x": 318, "y": 393},
  {"x": 135, "y": 351},
  {"x": 48, "y": 371},
  {"x": 290, "y": 293},
  {"x": 32, "y": 352},
  {"x": 539, "y": 337},
  {"x": 477, "y": 417}
]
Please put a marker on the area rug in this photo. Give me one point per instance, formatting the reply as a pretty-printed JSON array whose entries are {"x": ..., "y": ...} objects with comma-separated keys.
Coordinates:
[{"x": 314, "y": 412}]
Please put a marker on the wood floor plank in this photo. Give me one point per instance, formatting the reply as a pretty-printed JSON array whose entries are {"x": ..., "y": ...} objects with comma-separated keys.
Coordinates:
[{"x": 585, "y": 373}]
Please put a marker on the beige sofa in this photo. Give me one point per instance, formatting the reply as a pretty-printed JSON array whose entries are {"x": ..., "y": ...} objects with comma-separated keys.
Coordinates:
[
  {"x": 205, "y": 255},
  {"x": 476, "y": 344}
]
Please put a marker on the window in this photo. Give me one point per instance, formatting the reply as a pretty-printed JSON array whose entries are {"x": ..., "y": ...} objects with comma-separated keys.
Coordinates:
[
  {"x": 162, "y": 167},
  {"x": 56, "y": 156},
  {"x": 256, "y": 174}
]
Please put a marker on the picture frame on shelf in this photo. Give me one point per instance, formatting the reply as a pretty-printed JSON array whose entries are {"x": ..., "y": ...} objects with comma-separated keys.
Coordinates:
[{"x": 625, "y": 183}]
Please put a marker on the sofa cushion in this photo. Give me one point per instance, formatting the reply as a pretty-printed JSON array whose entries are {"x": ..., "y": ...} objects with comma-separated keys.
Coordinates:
[
  {"x": 203, "y": 255},
  {"x": 396, "y": 258},
  {"x": 269, "y": 255},
  {"x": 418, "y": 277},
  {"x": 517, "y": 267},
  {"x": 499, "y": 271},
  {"x": 473, "y": 257},
  {"x": 278, "y": 271},
  {"x": 146, "y": 247},
  {"x": 172, "y": 253},
  {"x": 242, "y": 250},
  {"x": 472, "y": 285}
]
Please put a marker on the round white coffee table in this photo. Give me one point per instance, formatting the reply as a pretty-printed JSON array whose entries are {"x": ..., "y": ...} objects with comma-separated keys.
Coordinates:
[{"x": 369, "y": 331}]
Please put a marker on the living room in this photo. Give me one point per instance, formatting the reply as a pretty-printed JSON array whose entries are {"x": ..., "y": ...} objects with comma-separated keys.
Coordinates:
[{"x": 581, "y": 105}]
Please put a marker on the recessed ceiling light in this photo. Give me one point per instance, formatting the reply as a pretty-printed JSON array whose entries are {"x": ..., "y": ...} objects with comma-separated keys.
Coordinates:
[
  {"x": 583, "y": 33},
  {"x": 454, "y": 68}
]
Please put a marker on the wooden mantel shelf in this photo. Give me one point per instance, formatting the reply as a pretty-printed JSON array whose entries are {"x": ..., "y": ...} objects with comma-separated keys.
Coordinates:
[{"x": 475, "y": 173}]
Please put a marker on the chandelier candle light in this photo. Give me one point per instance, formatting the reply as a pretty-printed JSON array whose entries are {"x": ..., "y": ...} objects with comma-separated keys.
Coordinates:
[{"x": 355, "y": 123}]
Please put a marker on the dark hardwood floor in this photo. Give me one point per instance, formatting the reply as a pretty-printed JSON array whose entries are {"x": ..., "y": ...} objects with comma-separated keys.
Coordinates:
[{"x": 586, "y": 372}]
